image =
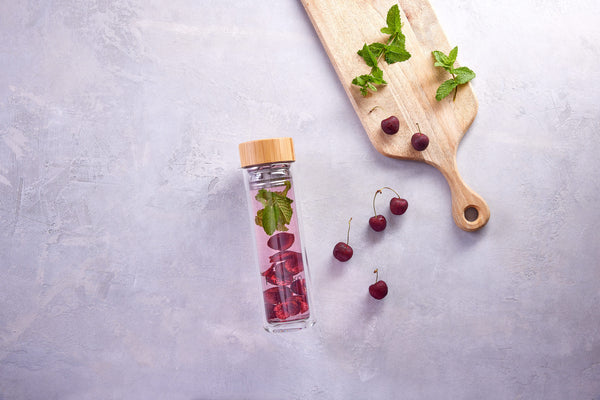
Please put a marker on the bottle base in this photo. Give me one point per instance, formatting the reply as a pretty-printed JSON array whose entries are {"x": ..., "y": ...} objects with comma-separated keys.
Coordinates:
[{"x": 278, "y": 327}]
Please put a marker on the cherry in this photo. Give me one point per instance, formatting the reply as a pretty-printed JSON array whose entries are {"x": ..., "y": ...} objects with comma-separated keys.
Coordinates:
[
  {"x": 390, "y": 125},
  {"x": 342, "y": 251},
  {"x": 278, "y": 275},
  {"x": 377, "y": 222},
  {"x": 277, "y": 294},
  {"x": 398, "y": 205},
  {"x": 281, "y": 241},
  {"x": 286, "y": 309},
  {"x": 291, "y": 261},
  {"x": 419, "y": 140},
  {"x": 302, "y": 302},
  {"x": 283, "y": 255},
  {"x": 379, "y": 289},
  {"x": 298, "y": 286}
]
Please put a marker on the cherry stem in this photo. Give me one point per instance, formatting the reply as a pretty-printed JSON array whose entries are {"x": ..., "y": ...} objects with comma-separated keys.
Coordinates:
[
  {"x": 348, "y": 236},
  {"x": 378, "y": 191},
  {"x": 376, "y": 272},
  {"x": 389, "y": 188},
  {"x": 418, "y": 127}
]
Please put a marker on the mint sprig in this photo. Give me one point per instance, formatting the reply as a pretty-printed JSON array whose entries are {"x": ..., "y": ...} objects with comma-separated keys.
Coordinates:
[
  {"x": 460, "y": 75},
  {"x": 392, "y": 51},
  {"x": 277, "y": 211}
]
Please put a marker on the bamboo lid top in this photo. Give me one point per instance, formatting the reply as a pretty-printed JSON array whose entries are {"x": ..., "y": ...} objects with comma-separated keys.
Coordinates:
[{"x": 266, "y": 151}]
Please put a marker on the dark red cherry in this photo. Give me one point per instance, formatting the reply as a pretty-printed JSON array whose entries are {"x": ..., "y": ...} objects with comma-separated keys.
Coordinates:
[
  {"x": 390, "y": 125},
  {"x": 379, "y": 289},
  {"x": 419, "y": 141},
  {"x": 281, "y": 241},
  {"x": 398, "y": 205},
  {"x": 299, "y": 286},
  {"x": 378, "y": 223},
  {"x": 342, "y": 251}
]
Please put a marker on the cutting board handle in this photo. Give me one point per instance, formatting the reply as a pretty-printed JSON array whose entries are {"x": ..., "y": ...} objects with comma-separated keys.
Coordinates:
[{"x": 469, "y": 210}]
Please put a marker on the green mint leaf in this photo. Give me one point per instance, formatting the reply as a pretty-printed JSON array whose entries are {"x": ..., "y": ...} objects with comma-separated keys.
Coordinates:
[
  {"x": 452, "y": 55},
  {"x": 377, "y": 49},
  {"x": 463, "y": 75},
  {"x": 269, "y": 219},
  {"x": 288, "y": 186},
  {"x": 393, "y": 21},
  {"x": 396, "y": 54},
  {"x": 398, "y": 39},
  {"x": 368, "y": 56},
  {"x": 264, "y": 196},
  {"x": 445, "y": 89},
  {"x": 394, "y": 51},
  {"x": 441, "y": 59},
  {"x": 258, "y": 218},
  {"x": 360, "y": 80},
  {"x": 460, "y": 75},
  {"x": 280, "y": 220},
  {"x": 284, "y": 205},
  {"x": 377, "y": 75},
  {"x": 277, "y": 211}
]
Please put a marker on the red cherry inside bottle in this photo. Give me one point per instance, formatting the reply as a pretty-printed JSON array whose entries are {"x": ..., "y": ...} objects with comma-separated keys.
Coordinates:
[
  {"x": 281, "y": 241},
  {"x": 379, "y": 289},
  {"x": 299, "y": 286},
  {"x": 342, "y": 251},
  {"x": 378, "y": 221},
  {"x": 419, "y": 140},
  {"x": 390, "y": 125}
]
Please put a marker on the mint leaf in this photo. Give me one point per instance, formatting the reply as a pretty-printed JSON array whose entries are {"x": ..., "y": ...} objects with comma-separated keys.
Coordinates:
[
  {"x": 396, "y": 54},
  {"x": 377, "y": 49},
  {"x": 377, "y": 75},
  {"x": 452, "y": 55},
  {"x": 463, "y": 75},
  {"x": 393, "y": 51},
  {"x": 288, "y": 186},
  {"x": 361, "y": 80},
  {"x": 397, "y": 39},
  {"x": 263, "y": 196},
  {"x": 284, "y": 205},
  {"x": 368, "y": 56},
  {"x": 445, "y": 89},
  {"x": 460, "y": 75},
  {"x": 269, "y": 219},
  {"x": 393, "y": 21},
  {"x": 440, "y": 58},
  {"x": 277, "y": 211}
]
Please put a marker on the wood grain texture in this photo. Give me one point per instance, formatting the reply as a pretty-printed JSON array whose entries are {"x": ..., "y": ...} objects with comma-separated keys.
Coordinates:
[{"x": 343, "y": 27}]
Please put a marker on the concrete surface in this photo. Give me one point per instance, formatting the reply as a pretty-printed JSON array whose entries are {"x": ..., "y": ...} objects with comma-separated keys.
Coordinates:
[{"x": 125, "y": 240}]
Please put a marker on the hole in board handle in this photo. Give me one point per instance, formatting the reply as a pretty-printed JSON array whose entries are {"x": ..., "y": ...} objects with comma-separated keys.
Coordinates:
[{"x": 471, "y": 213}]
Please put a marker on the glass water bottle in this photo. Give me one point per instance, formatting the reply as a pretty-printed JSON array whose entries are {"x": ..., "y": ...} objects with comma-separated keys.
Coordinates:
[{"x": 282, "y": 262}]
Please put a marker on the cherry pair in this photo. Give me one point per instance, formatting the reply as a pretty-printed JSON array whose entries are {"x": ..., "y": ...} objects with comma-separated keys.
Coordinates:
[{"x": 398, "y": 206}]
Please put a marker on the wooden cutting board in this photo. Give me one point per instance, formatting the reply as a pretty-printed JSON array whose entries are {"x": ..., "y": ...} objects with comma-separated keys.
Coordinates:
[{"x": 343, "y": 27}]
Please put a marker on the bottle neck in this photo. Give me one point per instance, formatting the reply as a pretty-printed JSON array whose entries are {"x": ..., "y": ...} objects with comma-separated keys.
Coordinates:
[{"x": 268, "y": 175}]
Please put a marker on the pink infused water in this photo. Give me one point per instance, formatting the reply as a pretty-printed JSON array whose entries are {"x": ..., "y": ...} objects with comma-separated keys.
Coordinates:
[{"x": 281, "y": 259}]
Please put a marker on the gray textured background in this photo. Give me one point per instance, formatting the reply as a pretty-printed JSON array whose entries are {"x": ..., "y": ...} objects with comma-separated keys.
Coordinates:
[{"x": 124, "y": 235}]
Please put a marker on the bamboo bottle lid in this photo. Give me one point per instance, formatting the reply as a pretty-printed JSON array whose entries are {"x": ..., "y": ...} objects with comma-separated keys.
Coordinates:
[{"x": 266, "y": 151}]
